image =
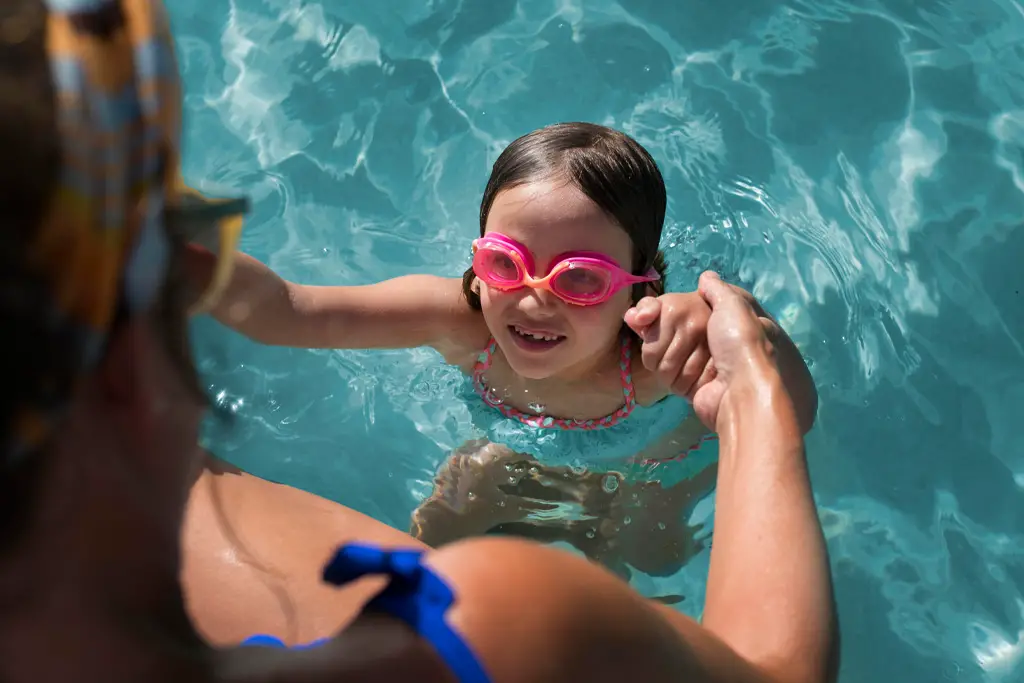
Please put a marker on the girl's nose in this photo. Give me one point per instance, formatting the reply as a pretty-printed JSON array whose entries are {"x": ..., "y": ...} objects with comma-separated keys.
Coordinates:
[{"x": 539, "y": 303}]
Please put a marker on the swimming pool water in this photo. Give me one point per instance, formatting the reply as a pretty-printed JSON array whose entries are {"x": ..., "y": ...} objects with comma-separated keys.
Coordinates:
[{"x": 859, "y": 165}]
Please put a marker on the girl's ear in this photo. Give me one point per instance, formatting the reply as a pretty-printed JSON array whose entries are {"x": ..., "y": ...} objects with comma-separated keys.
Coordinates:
[{"x": 471, "y": 289}]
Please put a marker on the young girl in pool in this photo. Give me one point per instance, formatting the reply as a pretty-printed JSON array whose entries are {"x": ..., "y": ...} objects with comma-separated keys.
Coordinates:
[{"x": 564, "y": 296}]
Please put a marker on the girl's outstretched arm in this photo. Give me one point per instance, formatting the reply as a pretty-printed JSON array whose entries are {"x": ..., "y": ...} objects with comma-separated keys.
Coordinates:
[{"x": 405, "y": 312}]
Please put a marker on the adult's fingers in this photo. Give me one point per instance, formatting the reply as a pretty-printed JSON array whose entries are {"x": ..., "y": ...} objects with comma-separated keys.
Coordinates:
[
  {"x": 711, "y": 284},
  {"x": 720, "y": 295}
]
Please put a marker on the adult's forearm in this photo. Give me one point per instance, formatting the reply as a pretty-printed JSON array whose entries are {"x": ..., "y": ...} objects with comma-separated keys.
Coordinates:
[{"x": 769, "y": 594}]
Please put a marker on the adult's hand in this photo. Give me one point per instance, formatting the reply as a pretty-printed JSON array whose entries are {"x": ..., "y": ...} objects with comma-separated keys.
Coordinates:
[{"x": 736, "y": 339}]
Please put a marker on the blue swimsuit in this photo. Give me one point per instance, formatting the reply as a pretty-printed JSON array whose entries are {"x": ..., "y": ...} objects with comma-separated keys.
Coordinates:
[{"x": 415, "y": 595}]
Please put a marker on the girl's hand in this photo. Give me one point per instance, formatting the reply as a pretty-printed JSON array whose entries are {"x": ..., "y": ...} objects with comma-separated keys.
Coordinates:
[{"x": 673, "y": 329}]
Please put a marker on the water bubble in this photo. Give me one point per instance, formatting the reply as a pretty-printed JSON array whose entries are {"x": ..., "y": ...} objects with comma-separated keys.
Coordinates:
[
  {"x": 661, "y": 526},
  {"x": 501, "y": 503},
  {"x": 610, "y": 483},
  {"x": 514, "y": 480},
  {"x": 591, "y": 533},
  {"x": 509, "y": 466},
  {"x": 536, "y": 407},
  {"x": 520, "y": 468},
  {"x": 627, "y": 520},
  {"x": 951, "y": 671},
  {"x": 494, "y": 398},
  {"x": 470, "y": 496},
  {"x": 534, "y": 470},
  {"x": 577, "y": 468}
]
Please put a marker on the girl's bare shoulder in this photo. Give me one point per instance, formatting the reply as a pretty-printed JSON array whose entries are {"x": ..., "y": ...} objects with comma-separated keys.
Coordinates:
[{"x": 466, "y": 333}]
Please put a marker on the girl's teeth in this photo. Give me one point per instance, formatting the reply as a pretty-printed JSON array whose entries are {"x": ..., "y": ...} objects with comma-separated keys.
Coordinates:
[{"x": 539, "y": 337}]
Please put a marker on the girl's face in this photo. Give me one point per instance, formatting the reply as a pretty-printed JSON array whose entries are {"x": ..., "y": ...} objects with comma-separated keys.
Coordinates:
[{"x": 540, "y": 335}]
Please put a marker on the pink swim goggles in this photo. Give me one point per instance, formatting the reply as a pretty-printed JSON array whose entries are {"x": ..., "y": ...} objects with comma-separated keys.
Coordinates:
[{"x": 582, "y": 278}]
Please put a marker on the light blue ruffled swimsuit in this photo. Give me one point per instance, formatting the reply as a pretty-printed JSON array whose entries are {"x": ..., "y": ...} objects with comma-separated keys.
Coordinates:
[{"x": 610, "y": 440}]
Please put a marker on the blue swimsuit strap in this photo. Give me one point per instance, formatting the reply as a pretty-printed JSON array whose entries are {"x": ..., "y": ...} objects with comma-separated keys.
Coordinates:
[{"x": 414, "y": 595}]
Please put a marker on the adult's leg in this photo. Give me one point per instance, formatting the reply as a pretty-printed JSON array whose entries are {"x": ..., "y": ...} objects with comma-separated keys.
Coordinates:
[{"x": 252, "y": 552}]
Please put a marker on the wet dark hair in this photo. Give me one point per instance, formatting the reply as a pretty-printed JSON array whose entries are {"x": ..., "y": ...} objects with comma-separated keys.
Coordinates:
[{"x": 612, "y": 169}]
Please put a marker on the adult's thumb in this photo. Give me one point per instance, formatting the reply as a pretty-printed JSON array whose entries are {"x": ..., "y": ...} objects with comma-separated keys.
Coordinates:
[{"x": 712, "y": 289}]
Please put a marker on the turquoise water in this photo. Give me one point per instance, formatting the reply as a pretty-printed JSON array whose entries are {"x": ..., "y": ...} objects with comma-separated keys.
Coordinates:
[{"x": 859, "y": 165}]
